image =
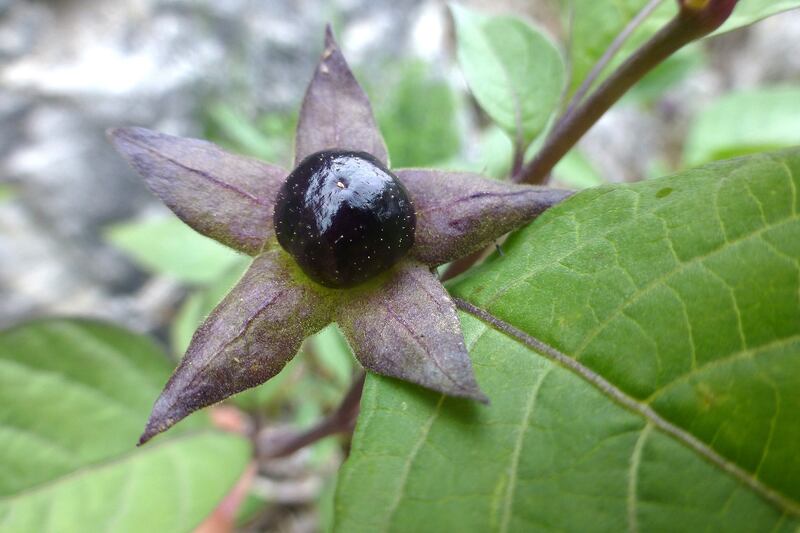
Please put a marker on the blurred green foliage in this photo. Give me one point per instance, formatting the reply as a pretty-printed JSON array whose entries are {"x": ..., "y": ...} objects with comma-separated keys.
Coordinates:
[
  {"x": 665, "y": 76},
  {"x": 267, "y": 136},
  {"x": 416, "y": 111},
  {"x": 575, "y": 171},
  {"x": 169, "y": 247},
  {"x": 74, "y": 397},
  {"x": 745, "y": 122},
  {"x": 200, "y": 302},
  {"x": 596, "y": 23},
  {"x": 418, "y": 118},
  {"x": 7, "y": 192}
]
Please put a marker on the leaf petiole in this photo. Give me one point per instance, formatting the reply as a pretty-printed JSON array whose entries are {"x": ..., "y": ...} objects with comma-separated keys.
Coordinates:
[{"x": 684, "y": 28}]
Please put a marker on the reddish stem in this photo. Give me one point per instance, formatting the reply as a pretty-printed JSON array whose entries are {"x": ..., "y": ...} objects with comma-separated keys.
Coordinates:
[
  {"x": 611, "y": 51},
  {"x": 340, "y": 421},
  {"x": 681, "y": 30}
]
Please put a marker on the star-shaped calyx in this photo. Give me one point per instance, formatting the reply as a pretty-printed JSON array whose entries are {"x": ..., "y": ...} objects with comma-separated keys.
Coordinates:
[{"x": 399, "y": 323}]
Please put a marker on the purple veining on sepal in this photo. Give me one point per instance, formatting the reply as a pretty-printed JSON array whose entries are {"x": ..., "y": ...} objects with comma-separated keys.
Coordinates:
[
  {"x": 224, "y": 196},
  {"x": 404, "y": 326},
  {"x": 336, "y": 113},
  {"x": 246, "y": 340},
  {"x": 409, "y": 329},
  {"x": 459, "y": 213}
]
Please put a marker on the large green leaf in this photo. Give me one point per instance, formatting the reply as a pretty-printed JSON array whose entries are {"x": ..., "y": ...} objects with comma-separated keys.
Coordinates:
[
  {"x": 745, "y": 122},
  {"x": 673, "y": 306},
  {"x": 513, "y": 70},
  {"x": 598, "y": 22},
  {"x": 74, "y": 396},
  {"x": 168, "y": 246}
]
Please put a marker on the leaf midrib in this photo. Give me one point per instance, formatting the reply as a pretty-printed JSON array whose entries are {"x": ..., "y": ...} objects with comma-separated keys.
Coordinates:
[
  {"x": 783, "y": 502},
  {"x": 512, "y": 89}
]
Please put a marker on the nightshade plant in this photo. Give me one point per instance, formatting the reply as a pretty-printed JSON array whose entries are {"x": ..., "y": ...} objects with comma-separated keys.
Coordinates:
[
  {"x": 639, "y": 342},
  {"x": 400, "y": 322}
]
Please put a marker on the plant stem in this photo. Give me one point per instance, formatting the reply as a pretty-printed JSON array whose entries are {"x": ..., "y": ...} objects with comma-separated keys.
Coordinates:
[
  {"x": 680, "y": 31},
  {"x": 461, "y": 265},
  {"x": 340, "y": 421},
  {"x": 519, "y": 156}
]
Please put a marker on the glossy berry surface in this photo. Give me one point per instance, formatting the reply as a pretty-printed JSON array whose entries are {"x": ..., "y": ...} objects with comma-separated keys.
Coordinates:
[{"x": 344, "y": 217}]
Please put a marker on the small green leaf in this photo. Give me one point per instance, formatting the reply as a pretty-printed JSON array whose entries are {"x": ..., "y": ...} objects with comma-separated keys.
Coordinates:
[
  {"x": 745, "y": 122},
  {"x": 74, "y": 396},
  {"x": 168, "y": 246},
  {"x": 513, "y": 70},
  {"x": 597, "y": 23},
  {"x": 673, "y": 308},
  {"x": 496, "y": 153},
  {"x": 492, "y": 156},
  {"x": 574, "y": 170}
]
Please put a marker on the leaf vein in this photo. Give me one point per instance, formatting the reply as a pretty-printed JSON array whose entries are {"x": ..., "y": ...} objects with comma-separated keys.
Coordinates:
[
  {"x": 685, "y": 310},
  {"x": 773, "y": 420},
  {"x": 633, "y": 477},
  {"x": 658, "y": 281},
  {"x": 790, "y": 175},
  {"x": 53, "y": 446},
  {"x": 392, "y": 509},
  {"x": 736, "y": 309},
  {"x": 731, "y": 358},
  {"x": 124, "y": 499},
  {"x": 530, "y": 406},
  {"x": 775, "y": 497},
  {"x": 69, "y": 382}
]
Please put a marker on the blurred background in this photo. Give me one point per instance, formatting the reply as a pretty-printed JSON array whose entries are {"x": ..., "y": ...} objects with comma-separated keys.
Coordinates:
[{"x": 80, "y": 235}]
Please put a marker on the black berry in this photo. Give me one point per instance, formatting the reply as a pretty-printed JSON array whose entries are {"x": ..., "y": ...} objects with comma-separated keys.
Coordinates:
[{"x": 344, "y": 217}]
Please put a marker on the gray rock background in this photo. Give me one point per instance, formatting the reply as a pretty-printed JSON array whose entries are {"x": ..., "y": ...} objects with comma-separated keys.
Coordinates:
[{"x": 71, "y": 68}]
